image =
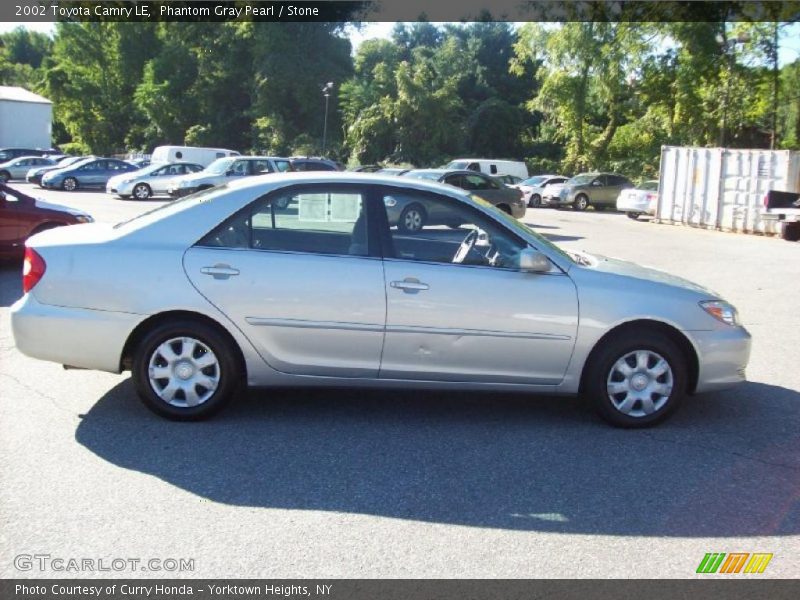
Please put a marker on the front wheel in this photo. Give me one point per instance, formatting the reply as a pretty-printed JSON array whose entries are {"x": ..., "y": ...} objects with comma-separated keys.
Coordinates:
[
  {"x": 185, "y": 371},
  {"x": 412, "y": 219},
  {"x": 70, "y": 184},
  {"x": 581, "y": 202},
  {"x": 535, "y": 201},
  {"x": 636, "y": 379},
  {"x": 142, "y": 191}
]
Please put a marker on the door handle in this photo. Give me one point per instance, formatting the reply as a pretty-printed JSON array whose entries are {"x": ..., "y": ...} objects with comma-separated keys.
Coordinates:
[
  {"x": 220, "y": 271},
  {"x": 410, "y": 285}
]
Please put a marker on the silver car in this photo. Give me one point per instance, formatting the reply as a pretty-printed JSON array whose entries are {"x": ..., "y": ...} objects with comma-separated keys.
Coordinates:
[
  {"x": 226, "y": 169},
  {"x": 226, "y": 288},
  {"x": 534, "y": 188},
  {"x": 17, "y": 168},
  {"x": 152, "y": 180}
]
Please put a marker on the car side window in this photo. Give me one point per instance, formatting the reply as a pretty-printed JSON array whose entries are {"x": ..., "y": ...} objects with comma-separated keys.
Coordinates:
[
  {"x": 90, "y": 166},
  {"x": 283, "y": 166},
  {"x": 193, "y": 168},
  {"x": 261, "y": 166},
  {"x": 314, "y": 221},
  {"x": 431, "y": 228},
  {"x": 476, "y": 182}
]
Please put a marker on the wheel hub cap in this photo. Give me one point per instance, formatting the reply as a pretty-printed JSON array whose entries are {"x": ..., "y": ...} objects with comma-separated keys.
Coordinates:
[
  {"x": 639, "y": 381},
  {"x": 184, "y": 370}
]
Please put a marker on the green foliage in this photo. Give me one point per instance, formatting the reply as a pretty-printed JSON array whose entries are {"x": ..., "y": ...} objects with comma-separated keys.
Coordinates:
[{"x": 565, "y": 97}]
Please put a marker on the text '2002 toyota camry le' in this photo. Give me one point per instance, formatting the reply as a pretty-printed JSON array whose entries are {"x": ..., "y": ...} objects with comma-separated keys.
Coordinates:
[{"x": 301, "y": 280}]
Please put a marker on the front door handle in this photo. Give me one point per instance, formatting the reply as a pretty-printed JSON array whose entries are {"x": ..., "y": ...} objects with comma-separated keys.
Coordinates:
[
  {"x": 410, "y": 285},
  {"x": 220, "y": 271}
]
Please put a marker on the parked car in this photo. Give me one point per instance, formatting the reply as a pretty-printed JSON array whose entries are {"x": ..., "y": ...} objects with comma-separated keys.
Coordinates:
[
  {"x": 152, "y": 180},
  {"x": 599, "y": 190},
  {"x": 490, "y": 166},
  {"x": 36, "y": 173},
  {"x": 139, "y": 163},
  {"x": 237, "y": 291},
  {"x": 506, "y": 199},
  {"x": 314, "y": 164},
  {"x": 17, "y": 168},
  {"x": 223, "y": 170},
  {"x": 7, "y": 154},
  {"x": 366, "y": 168},
  {"x": 534, "y": 188},
  {"x": 22, "y": 216},
  {"x": 90, "y": 173},
  {"x": 638, "y": 201}
]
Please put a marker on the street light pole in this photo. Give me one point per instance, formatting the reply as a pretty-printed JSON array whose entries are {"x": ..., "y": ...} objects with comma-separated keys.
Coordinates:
[{"x": 326, "y": 91}]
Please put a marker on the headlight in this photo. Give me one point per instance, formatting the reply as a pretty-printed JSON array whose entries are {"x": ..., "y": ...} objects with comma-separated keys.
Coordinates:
[
  {"x": 84, "y": 219},
  {"x": 721, "y": 311},
  {"x": 126, "y": 181}
]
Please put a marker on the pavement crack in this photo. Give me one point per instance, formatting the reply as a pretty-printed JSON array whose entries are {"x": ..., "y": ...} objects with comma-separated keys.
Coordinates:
[
  {"x": 39, "y": 393},
  {"x": 723, "y": 451}
]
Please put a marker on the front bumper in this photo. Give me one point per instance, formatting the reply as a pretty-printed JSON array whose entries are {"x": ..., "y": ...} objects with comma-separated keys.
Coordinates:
[
  {"x": 723, "y": 355},
  {"x": 79, "y": 337},
  {"x": 51, "y": 184}
]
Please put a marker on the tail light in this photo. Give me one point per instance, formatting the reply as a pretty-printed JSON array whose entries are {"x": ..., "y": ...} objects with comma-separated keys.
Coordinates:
[
  {"x": 765, "y": 200},
  {"x": 33, "y": 268}
]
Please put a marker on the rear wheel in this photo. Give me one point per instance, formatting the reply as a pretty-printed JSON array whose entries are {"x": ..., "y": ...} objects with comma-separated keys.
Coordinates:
[
  {"x": 505, "y": 208},
  {"x": 4, "y": 176},
  {"x": 637, "y": 379},
  {"x": 535, "y": 201},
  {"x": 185, "y": 370},
  {"x": 581, "y": 202},
  {"x": 633, "y": 215},
  {"x": 70, "y": 184},
  {"x": 790, "y": 231}
]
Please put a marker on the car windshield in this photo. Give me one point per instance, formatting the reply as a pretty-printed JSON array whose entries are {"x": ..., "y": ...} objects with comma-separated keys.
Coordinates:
[
  {"x": 219, "y": 166},
  {"x": 534, "y": 180},
  {"x": 432, "y": 175},
  {"x": 519, "y": 226},
  {"x": 69, "y": 160},
  {"x": 650, "y": 186},
  {"x": 581, "y": 179}
]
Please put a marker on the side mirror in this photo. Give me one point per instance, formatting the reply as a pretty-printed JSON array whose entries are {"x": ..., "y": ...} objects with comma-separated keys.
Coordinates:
[{"x": 533, "y": 261}]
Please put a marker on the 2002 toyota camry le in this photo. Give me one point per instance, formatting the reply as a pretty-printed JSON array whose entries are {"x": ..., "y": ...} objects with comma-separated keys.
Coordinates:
[{"x": 300, "y": 280}]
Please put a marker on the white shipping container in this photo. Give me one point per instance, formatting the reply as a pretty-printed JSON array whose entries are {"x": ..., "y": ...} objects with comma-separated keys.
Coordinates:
[
  {"x": 25, "y": 119},
  {"x": 723, "y": 188}
]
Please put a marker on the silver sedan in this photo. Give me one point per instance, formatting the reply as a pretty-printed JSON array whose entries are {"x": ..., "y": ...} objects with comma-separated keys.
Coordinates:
[
  {"x": 300, "y": 280},
  {"x": 151, "y": 180}
]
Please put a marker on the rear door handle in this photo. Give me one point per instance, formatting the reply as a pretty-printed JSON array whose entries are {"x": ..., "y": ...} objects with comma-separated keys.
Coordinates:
[
  {"x": 410, "y": 285},
  {"x": 220, "y": 271}
]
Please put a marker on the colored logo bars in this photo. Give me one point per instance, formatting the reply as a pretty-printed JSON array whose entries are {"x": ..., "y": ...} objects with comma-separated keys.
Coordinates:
[{"x": 736, "y": 562}]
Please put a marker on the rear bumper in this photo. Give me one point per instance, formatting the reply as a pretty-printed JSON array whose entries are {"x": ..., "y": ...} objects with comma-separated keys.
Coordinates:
[
  {"x": 723, "y": 356},
  {"x": 79, "y": 337}
]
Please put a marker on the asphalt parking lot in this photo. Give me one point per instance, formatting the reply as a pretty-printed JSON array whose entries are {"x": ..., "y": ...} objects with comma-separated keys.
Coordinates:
[{"x": 391, "y": 484}]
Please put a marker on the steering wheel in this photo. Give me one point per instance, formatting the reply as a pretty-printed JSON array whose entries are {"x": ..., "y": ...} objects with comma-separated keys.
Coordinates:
[{"x": 466, "y": 245}]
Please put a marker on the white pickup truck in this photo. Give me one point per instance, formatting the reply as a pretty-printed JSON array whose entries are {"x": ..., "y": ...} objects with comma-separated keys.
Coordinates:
[{"x": 783, "y": 207}]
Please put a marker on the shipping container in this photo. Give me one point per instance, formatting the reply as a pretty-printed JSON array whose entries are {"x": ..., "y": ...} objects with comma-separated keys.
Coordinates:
[
  {"x": 723, "y": 188},
  {"x": 26, "y": 119}
]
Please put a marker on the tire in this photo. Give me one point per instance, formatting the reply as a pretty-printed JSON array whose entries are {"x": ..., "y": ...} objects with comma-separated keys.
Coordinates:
[
  {"x": 633, "y": 215},
  {"x": 598, "y": 208},
  {"x": 790, "y": 231},
  {"x": 628, "y": 407},
  {"x": 535, "y": 201},
  {"x": 412, "y": 219},
  {"x": 505, "y": 208},
  {"x": 141, "y": 191},
  {"x": 581, "y": 202},
  {"x": 4, "y": 176},
  {"x": 194, "y": 381},
  {"x": 70, "y": 184}
]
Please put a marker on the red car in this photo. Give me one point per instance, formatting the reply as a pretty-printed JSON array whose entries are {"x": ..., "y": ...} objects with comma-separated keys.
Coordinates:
[{"x": 21, "y": 216}]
